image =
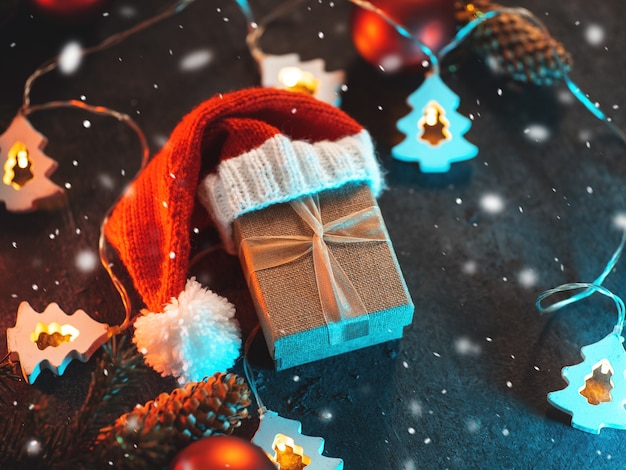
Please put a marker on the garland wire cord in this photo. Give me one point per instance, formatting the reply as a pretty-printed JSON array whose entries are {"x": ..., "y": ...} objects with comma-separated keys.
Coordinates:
[
  {"x": 27, "y": 108},
  {"x": 247, "y": 369},
  {"x": 589, "y": 288}
]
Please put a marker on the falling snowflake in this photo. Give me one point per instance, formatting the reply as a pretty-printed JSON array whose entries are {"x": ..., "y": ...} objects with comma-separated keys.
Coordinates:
[
  {"x": 196, "y": 60},
  {"x": 527, "y": 277},
  {"x": 70, "y": 58},
  {"x": 492, "y": 203},
  {"x": 620, "y": 221},
  {"x": 594, "y": 34},
  {"x": 466, "y": 347},
  {"x": 86, "y": 261},
  {"x": 537, "y": 132},
  {"x": 415, "y": 407},
  {"x": 472, "y": 425},
  {"x": 470, "y": 267},
  {"x": 326, "y": 415}
]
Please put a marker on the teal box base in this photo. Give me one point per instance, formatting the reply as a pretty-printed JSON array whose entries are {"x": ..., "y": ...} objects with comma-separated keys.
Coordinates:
[{"x": 299, "y": 348}]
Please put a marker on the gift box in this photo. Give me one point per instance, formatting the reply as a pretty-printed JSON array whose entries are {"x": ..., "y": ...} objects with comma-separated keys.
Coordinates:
[{"x": 323, "y": 275}]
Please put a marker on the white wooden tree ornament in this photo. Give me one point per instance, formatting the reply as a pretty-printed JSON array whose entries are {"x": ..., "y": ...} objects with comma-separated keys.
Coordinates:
[
  {"x": 288, "y": 72},
  {"x": 282, "y": 441},
  {"x": 25, "y": 168},
  {"x": 52, "y": 339}
]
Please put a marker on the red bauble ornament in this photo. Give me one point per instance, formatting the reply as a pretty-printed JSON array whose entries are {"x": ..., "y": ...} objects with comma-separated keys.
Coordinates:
[
  {"x": 69, "y": 10},
  {"x": 222, "y": 453},
  {"x": 379, "y": 43}
]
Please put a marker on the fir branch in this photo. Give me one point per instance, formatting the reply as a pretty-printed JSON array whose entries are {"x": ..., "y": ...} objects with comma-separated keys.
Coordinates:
[
  {"x": 119, "y": 368},
  {"x": 145, "y": 447},
  {"x": 8, "y": 374},
  {"x": 11, "y": 435},
  {"x": 29, "y": 439}
]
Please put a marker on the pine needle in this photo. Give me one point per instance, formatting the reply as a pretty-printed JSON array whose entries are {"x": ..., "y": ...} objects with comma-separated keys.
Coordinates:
[
  {"x": 8, "y": 374},
  {"x": 119, "y": 368}
]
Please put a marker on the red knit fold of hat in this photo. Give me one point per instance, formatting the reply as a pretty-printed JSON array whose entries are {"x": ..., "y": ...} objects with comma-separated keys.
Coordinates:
[{"x": 150, "y": 226}]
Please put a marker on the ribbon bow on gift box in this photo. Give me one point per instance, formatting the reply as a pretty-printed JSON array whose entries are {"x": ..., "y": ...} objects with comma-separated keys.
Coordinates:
[{"x": 339, "y": 298}]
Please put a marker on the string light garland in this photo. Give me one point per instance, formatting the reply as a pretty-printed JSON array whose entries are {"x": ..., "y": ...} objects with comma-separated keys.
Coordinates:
[
  {"x": 435, "y": 155},
  {"x": 290, "y": 444},
  {"x": 22, "y": 344},
  {"x": 434, "y": 130},
  {"x": 596, "y": 392}
]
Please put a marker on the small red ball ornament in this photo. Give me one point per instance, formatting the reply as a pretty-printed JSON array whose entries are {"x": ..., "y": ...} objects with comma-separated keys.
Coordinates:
[
  {"x": 69, "y": 10},
  {"x": 379, "y": 43},
  {"x": 222, "y": 453}
]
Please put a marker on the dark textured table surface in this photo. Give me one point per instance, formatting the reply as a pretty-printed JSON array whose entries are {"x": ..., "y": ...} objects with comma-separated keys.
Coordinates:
[{"x": 466, "y": 386}]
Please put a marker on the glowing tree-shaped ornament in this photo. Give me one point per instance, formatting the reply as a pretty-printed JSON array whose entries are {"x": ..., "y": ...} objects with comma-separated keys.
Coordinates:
[
  {"x": 596, "y": 388},
  {"x": 434, "y": 130},
  {"x": 25, "y": 168},
  {"x": 289, "y": 73},
  {"x": 52, "y": 339},
  {"x": 282, "y": 441},
  {"x": 596, "y": 391}
]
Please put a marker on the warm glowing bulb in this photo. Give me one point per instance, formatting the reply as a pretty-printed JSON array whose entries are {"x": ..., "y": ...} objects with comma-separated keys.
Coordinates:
[
  {"x": 7, "y": 178},
  {"x": 434, "y": 125},
  {"x": 53, "y": 334},
  {"x": 295, "y": 79},
  {"x": 598, "y": 384},
  {"x": 289, "y": 455},
  {"x": 290, "y": 76},
  {"x": 22, "y": 158},
  {"x": 17, "y": 158},
  {"x": 605, "y": 367},
  {"x": 431, "y": 116}
]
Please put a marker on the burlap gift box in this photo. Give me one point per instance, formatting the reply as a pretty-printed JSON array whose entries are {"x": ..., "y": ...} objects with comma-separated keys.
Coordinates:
[{"x": 287, "y": 296}]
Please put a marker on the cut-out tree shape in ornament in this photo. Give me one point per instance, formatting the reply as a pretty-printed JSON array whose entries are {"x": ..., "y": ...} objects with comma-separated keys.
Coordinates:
[
  {"x": 434, "y": 129},
  {"x": 282, "y": 441},
  {"x": 52, "y": 339},
  {"x": 25, "y": 168},
  {"x": 596, "y": 392},
  {"x": 287, "y": 72}
]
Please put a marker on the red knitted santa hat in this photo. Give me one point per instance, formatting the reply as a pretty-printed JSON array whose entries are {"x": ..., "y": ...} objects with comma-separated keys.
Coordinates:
[{"x": 234, "y": 153}]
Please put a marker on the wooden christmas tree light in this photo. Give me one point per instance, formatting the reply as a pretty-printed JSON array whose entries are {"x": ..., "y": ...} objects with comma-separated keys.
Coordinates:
[
  {"x": 25, "y": 168},
  {"x": 434, "y": 130},
  {"x": 596, "y": 390},
  {"x": 52, "y": 339}
]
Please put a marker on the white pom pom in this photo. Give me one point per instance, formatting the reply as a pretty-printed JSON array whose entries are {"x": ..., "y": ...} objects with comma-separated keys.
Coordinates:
[{"x": 194, "y": 337}]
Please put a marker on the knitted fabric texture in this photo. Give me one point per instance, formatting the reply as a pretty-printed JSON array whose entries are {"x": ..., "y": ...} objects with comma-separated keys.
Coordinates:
[
  {"x": 263, "y": 145},
  {"x": 282, "y": 169}
]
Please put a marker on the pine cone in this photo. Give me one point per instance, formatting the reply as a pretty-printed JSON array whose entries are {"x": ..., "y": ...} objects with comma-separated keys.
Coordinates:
[
  {"x": 198, "y": 409},
  {"x": 513, "y": 45}
]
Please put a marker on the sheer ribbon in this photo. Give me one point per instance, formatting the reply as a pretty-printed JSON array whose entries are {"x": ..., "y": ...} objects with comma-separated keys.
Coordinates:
[{"x": 338, "y": 297}]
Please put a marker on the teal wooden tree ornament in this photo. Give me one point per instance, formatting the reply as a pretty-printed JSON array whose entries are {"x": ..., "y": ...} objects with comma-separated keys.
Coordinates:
[
  {"x": 434, "y": 129},
  {"x": 596, "y": 388},
  {"x": 596, "y": 392}
]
